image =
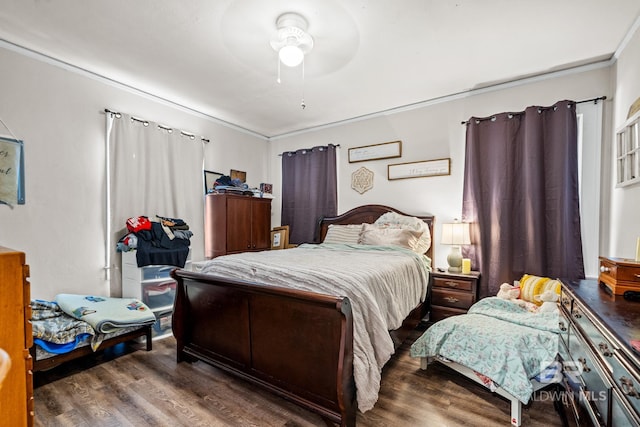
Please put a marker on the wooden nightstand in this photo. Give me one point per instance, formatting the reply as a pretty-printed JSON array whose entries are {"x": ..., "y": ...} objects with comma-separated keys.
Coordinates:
[
  {"x": 452, "y": 294},
  {"x": 620, "y": 274}
]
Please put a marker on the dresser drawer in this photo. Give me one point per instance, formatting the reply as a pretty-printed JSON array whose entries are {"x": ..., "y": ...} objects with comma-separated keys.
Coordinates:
[
  {"x": 587, "y": 378},
  {"x": 619, "y": 271},
  {"x": 627, "y": 380},
  {"x": 619, "y": 274},
  {"x": 601, "y": 344},
  {"x": 451, "y": 283},
  {"x": 450, "y": 298},
  {"x": 621, "y": 414}
]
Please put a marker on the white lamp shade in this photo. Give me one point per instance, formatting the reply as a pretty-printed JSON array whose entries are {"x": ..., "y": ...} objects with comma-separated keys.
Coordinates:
[
  {"x": 291, "y": 56},
  {"x": 456, "y": 234}
]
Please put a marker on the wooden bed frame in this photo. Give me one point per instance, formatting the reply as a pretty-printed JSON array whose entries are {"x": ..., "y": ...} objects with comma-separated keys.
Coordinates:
[
  {"x": 296, "y": 344},
  {"x": 52, "y": 362}
]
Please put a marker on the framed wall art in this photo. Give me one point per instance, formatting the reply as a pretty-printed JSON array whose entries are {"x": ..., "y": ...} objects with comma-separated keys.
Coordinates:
[
  {"x": 241, "y": 175},
  {"x": 210, "y": 178},
  {"x": 12, "y": 174},
  {"x": 386, "y": 150},
  {"x": 437, "y": 167},
  {"x": 280, "y": 237},
  {"x": 362, "y": 180}
]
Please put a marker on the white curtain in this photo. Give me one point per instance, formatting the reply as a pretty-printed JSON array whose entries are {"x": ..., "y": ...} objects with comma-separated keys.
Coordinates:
[{"x": 152, "y": 171}]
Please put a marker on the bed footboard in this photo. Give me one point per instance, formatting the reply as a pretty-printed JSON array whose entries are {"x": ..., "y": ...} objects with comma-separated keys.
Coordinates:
[{"x": 296, "y": 344}]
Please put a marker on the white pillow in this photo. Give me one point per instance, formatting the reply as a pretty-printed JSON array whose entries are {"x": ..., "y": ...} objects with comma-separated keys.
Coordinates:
[
  {"x": 349, "y": 233},
  {"x": 403, "y": 237},
  {"x": 395, "y": 220}
]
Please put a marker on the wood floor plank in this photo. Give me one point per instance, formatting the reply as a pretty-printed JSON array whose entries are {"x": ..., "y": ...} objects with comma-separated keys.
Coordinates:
[{"x": 132, "y": 387}]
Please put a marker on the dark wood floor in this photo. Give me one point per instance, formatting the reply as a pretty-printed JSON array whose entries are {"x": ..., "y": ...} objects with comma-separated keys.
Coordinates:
[{"x": 132, "y": 387}]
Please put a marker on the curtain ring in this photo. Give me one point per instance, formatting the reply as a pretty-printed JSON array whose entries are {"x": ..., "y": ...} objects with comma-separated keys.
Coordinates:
[
  {"x": 510, "y": 116},
  {"x": 493, "y": 119},
  {"x": 477, "y": 121}
]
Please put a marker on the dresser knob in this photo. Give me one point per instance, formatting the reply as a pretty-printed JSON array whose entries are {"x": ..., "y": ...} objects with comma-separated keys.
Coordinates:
[
  {"x": 628, "y": 388},
  {"x": 451, "y": 284},
  {"x": 583, "y": 361},
  {"x": 604, "y": 348},
  {"x": 604, "y": 269},
  {"x": 452, "y": 299}
]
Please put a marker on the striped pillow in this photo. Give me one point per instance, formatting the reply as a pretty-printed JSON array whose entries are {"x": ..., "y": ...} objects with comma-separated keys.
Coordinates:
[
  {"x": 532, "y": 286},
  {"x": 349, "y": 233}
]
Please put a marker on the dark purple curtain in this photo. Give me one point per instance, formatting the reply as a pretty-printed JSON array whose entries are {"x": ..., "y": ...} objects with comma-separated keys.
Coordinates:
[
  {"x": 521, "y": 195},
  {"x": 309, "y": 190}
]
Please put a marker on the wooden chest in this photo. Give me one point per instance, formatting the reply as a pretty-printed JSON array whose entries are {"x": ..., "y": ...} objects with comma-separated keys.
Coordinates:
[{"x": 620, "y": 274}]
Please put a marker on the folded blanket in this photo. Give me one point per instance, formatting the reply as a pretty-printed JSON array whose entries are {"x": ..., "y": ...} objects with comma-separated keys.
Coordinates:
[
  {"x": 50, "y": 324},
  {"x": 106, "y": 314}
]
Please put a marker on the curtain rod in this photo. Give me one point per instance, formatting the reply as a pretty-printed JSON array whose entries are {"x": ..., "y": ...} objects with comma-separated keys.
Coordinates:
[
  {"x": 310, "y": 149},
  {"x": 594, "y": 100},
  {"x": 146, "y": 123}
]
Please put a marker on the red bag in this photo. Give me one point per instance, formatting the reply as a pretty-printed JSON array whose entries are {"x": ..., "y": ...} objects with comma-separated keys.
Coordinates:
[{"x": 137, "y": 224}]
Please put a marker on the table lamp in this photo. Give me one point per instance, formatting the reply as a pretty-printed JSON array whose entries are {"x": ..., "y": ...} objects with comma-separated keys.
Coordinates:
[{"x": 455, "y": 234}]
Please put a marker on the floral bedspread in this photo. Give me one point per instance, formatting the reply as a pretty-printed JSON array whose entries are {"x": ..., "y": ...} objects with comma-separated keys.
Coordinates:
[{"x": 498, "y": 339}]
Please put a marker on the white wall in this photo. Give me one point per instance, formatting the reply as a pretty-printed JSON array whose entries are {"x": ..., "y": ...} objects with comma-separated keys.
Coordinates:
[
  {"x": 432, "y": 132},
  {"x": 625, "y": 201},
  {"x": 59, "y": 115}
]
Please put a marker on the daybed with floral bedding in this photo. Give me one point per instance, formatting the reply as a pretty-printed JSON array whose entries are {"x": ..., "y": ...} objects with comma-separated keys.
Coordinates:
[{"x": 509, "y": 346}]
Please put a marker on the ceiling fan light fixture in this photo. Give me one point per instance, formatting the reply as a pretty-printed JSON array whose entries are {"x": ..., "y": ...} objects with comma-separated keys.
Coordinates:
[
  {"x": 291, "y": 55},
  {"x": 292, "y": 42}
]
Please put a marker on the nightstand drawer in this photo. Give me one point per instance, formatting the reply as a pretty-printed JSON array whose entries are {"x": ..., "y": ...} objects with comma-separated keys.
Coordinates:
[
  {"x": 450, "y": 283},
  {"x": 450, "y": 298},
  {"x": 439, "y": 313}
]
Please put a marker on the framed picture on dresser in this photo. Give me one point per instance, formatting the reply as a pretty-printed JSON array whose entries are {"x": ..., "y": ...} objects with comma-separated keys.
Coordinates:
[
  {"x": 210, "y": 178},
  {"x": 280, "y": 237}
]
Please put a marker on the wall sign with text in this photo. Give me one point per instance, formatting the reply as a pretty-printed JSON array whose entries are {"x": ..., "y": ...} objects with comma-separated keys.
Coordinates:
[
  {"x": 424, "y": 168},
  {"x": 386, "y": 150}
]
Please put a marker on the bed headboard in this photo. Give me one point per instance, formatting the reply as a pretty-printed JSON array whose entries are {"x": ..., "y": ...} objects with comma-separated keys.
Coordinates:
[{"x": 368, "y": 214}]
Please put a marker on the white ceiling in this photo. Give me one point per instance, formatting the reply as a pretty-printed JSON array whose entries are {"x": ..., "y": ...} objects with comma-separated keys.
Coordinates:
[{"x": 369, "y": 55}]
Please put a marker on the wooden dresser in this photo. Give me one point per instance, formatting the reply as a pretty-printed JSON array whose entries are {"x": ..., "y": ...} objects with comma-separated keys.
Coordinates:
[
  {"x": 620, "y": 274},
  {"x": 452, "y": 294},
  {"x": 235, "y": 223},
  {"x": 601, "y": 365},
  {"x": 16, "y": 394}
]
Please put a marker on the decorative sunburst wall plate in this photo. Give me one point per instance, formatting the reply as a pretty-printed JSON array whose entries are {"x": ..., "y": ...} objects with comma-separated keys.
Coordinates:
[{"x": 362, "y": 180}]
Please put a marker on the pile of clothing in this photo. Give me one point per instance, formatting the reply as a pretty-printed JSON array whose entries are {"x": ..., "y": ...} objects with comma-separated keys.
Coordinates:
[
  {"x": 225, "y": 184},
  {"x": 157, "y": 240}
]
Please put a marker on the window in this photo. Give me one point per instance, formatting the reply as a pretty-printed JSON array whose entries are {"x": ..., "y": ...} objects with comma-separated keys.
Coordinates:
[{"x": 628, "y": 153}]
